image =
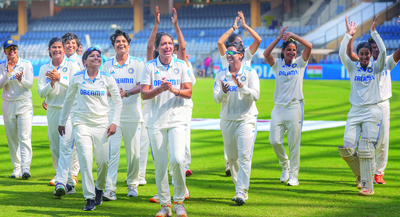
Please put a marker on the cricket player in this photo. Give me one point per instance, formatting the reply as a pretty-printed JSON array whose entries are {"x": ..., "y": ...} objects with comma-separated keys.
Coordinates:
[
  {"x": 365, "y": 112},
  {"x": 126, "y": 71},
  {"x": 91, "y": 125},
  {"x": 237, "y": 88},
  {"x": 228, "y": 37},
  {"x": 288, "y": 112},
  {"x": 16, "y": 79}
]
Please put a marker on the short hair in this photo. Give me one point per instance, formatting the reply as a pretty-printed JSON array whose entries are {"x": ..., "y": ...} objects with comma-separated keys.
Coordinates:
[
  {"x": 54, "y": 40},
  {"x": 117, "y": 33},
  {"x": 159, "y": 35},
  {"x": 70, "y": 36},
  {"x": 239, "y": 47},
  {"x": 371, "y": 40},
  {"x": 88, "y": 52},
  {"x": 285, "y": 44},
  {"x": 231, "y": 38},
  {"x": 364, "y": 45}
]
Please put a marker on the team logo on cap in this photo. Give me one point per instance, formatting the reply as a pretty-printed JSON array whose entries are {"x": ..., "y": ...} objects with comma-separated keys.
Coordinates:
[
  {"x": 294, "y": 65},
  {"x": 21, "y": 69},
  {"x": 64, "y": 69},
  {"x": 369, "y": 70},
  {"x": 243, "y": 78},
  {"x": 9, "y": 41},
  {"x": 130, "y": 70},
  {"x": 176, "y": 71},
  {"x": 101, "y": 83}
]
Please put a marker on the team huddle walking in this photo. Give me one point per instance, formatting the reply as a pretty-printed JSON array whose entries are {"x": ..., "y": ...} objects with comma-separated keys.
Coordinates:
[{"x": 93, "y": 105}]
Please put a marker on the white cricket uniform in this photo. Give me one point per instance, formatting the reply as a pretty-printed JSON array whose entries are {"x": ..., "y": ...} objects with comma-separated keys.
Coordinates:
[
  {"x": 90, "y": 122},
  {"x": 188, "y": 104},
  {"x": 166, "y": 126},
  {"x": 144, "y": 142},
  {"x": 385, "y": 87},
  {"x": 365, "y": 95},
  {"x": 247, "y": 62},
  {"x": 238, "y": 121},
  {"x": 60, "y": 146},
  {"x": 288, "y": 112},
  {"x": 75, "y": 161},
  {"x": 127, "y": 77},
  {"x": 18, "y": 111}
]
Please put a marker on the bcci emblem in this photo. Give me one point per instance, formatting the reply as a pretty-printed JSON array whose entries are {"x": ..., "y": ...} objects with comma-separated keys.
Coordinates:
[
  {"x": 243, "y": 78},
  {"x": 369, "y": 70},
  {"x": 64, "y": 69},
  {"x": 9, "y": 41},
  {"x": 294, "y": 65},
  {"x": 130, "y": 70},
  {"x": 21, "y": 69},
  {"x": 101, "y": 83},
  {"x": 176, "y": 71}
]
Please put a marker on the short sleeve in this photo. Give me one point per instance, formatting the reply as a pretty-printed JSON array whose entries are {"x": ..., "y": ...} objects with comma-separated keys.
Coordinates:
[
  {"x": 146, "y": 75},
  {"x": 247, "y": 55}
]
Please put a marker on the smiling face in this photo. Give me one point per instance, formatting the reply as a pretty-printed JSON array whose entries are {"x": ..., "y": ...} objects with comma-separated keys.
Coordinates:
[
  {"x": 289, "y": 52},
  {"x": 364, "y": 54},
  {"x": 93, "y": 60},
  {"x": 11, "y": 52},
  {"x": 70, "y": 47},
  {"x": 232, "y": 59},
  {"x": 165, "y": 47},
  {"x": 57, "y": 50},
  {"x": 121, "y": 45}
]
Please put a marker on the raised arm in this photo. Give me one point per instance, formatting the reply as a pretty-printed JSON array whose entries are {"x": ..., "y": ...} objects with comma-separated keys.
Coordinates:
[
  {"x": 152, "y": 38},
  {"x": 353, "y": 56},
  {"x": 179, "y": 35},
  {"x": 350, "y": 31},
  {"x": 267, "y": 52},
  {"x": 396, "y": 55},
  {"x": 257, "y": 39},
  {"x": 307, "y": 45},
  {"x": 379, "y": 42},
  {"x": 225, "y": 36}
]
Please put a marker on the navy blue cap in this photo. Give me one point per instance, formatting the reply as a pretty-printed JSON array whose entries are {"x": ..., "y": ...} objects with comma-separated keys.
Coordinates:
[{"x": 10, "y": 42}]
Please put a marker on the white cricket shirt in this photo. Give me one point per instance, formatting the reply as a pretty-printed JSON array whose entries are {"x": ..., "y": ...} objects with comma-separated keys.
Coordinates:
[
  {"x": 166, "y": 109},
  {"x": 246, "y": 59},
  {"x": 189, "y": 102},
  {"x": 127, "y": 77},
  {"x": 385, "y": 84},
  {"x": 13, "y": 89},
  {"x": 92, "y": 103},
  {"x": 289, "y": 80},
  {"x": 78, "y": 59},
  {"x": 365, "y": 83},
  {"x": 55, "y": 96},
  {"x": 238, "y": 103}
]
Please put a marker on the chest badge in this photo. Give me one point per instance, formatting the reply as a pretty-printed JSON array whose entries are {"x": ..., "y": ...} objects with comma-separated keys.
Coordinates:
[
  {"x": 130, "y": 70},
  {"x": 243, "y": 78},
  {"x": 294, "y": 65},
  {"x": 20, "y": 69},
  {"x": 369, "y": 70},
  {"x": 64, "y": 69},
  {"x": 176, "y": 71},
  {"x": 101, "y": 83}
]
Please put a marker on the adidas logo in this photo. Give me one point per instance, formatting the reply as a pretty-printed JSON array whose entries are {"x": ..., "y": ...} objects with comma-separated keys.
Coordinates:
[
  {"x": 83, "y": 82},
  {"x": 225, "y": 80},
  {"x": 157, "y": 72}
]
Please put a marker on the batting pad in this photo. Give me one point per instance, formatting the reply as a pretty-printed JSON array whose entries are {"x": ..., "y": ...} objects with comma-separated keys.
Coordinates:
[
  {"x": 350, "y": 155},
  {"x": 366, "y": 151}
]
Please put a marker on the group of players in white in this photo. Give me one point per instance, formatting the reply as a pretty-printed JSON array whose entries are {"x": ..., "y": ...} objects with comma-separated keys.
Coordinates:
[{"x": 106, "y": 107}]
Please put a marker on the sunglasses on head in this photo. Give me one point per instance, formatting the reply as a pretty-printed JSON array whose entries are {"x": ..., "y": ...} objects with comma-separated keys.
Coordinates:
[
  {"x": 232, "y": 52},
  {"x": 12, "y": 48},
  {"x": 94, "y": 49}
]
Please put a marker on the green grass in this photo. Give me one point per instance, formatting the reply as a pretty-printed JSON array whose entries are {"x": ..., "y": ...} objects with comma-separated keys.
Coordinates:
[{"x": 327, "y": 186}]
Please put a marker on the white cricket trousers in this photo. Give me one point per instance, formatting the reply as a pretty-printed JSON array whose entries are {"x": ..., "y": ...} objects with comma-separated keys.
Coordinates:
[
  {"x": 239, "y": 138},
  {"x": 382, "y": 147},
  {"x": 287, "y": 118},
  {"x": 172, "y": 141},
  {"x": 17, "y": 116},
  {"x": 368, "y": 118},
  {"x": 90, "y": 138},
  {"x": 144, "y": 144},
  {"x": 188, "y": 159},
  {"x": 131, "y": 131},
  {"x": 75, "y": 162},
  {"x": 53, "y": 117}
]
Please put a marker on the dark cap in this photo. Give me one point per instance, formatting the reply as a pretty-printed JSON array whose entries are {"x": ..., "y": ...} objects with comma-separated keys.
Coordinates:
[{"x": 10, "y": 42}]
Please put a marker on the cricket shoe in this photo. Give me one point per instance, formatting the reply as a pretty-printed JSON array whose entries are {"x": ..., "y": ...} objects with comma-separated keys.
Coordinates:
[
  {"x": 359, "y": 182},
  {"x": 188, "y": 173},
  {"x": 292, "y": 181},
  {"x": 26, "y": 174},
  {"x": 240, "y": 198},
  {"x": 59, "y": 190},
  {"x": 285, "y": 175},
  {"x": 227, "y": 169},
  {"x": 133, "y": 192},
  {"x": 75, "y": 178},
  {"x": 142, "y": 181},
  {"x": 165, "y": 211},
  {"x": 378, "y": 179},
  {"x": 70, "y": 189},
  {"x": 179, "y": 209},
  {"x": 90, "y": 205},
  {"x": 16, "y": 173},
  {"x": 365, "y": 192},
  {"x": 99, "y": 197},
  {"x": 155, "y": 199},
  {"x": 53, "y": 181},
  {"x": 187, "y": 194},
  {"x": 109, "y": 195}
]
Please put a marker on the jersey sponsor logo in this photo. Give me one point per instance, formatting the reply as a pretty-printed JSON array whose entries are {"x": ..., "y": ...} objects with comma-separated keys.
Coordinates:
[
  {"x": 364, "y": 78},
  {"x": 66, "y": 78},
  {"x": 283, "y": 73},
  {"x": 173, "y": 81},
  {"x": 243, "y": 78},
  {"x": 13, "y": 78},
  {"x": 384, "y": 72},
  {"x": 20, "y": 69},
  {"x": 101, "y": 83},
  {"x": 92, "y": 92},
  {"x": 294, "y": 65},
  {"x": 64, "y": 69},
  {"x": 47, "y": 80},
  {"x": 176, "y": 71},
  {"x": 369, "y": 70},
  {"x": 130, "y": 70},
  {"x": 233, "y": 88},
  {"x": 125, "y": 80}
]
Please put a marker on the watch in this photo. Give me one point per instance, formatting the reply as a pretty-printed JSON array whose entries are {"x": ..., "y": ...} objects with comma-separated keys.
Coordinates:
[{"x": 127, "y": 94}]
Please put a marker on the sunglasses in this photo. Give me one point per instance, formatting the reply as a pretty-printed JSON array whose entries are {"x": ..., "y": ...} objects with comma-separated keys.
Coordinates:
[
  {"x": 231, "y": 52},
  {"x": 12, "y": 48},
  {"x": 94, "y": 49}
]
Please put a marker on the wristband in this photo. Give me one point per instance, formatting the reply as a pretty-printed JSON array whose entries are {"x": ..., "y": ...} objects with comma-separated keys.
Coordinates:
[
  {"x": 178, "y": 92},
  {"x": 233, "y": 28},
  {"x": 127, "y": 94}
]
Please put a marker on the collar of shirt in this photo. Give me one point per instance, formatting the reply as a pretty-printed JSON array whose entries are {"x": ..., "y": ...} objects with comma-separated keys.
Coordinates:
[
  {"x": 370, "y": 65},
  {"x": 86, "y": 76},
  {"x": 17, "y": 64},
  {"x": 170, "y": 65},
  {"x": 61, "y": 65},
  {"x": 115, "y": 62},
  {"x": 284, "y": 63},
  {"x": 72, "y": 55},
  {"x": 240, "y": 72}
]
